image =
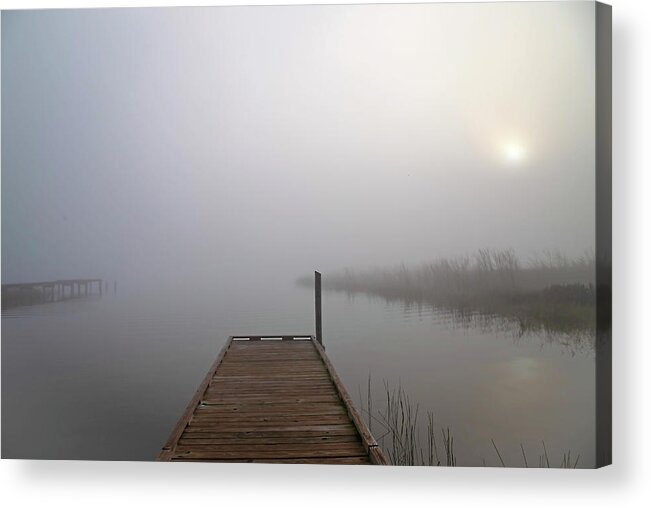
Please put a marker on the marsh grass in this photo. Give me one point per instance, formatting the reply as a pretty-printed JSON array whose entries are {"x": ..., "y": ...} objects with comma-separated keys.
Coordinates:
[
  {"x": 399, "y": 435},
  {"x": 549, "y": 292}
]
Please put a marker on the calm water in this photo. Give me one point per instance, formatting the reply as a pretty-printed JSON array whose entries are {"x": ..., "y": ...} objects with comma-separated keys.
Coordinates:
[{"x": 107, "y": 378}]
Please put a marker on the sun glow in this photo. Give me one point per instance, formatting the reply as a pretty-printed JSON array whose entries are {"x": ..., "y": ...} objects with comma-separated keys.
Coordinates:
[{"x": 514, "y": 152}]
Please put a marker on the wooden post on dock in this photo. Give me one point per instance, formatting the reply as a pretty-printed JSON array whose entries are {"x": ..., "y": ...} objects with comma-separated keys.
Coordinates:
[{"x": 317, "y": 306}]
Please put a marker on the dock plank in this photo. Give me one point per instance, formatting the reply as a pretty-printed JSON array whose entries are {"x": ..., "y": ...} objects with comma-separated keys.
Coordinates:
[{"x": 275, "y": 401}]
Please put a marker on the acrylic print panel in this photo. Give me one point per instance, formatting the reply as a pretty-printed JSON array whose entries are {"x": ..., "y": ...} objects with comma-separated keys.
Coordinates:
[{"x": 172, "y": 178}]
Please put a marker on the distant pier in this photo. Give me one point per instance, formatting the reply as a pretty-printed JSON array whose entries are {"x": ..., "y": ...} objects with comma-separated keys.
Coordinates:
[{"x": 31, "y": 293}]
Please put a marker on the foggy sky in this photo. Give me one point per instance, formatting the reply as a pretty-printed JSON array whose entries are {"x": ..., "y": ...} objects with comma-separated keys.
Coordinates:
[{"x": 207, "y": 143}]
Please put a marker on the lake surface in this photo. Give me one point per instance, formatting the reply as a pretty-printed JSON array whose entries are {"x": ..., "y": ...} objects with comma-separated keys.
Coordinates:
[{"x": 107, "y": 378}]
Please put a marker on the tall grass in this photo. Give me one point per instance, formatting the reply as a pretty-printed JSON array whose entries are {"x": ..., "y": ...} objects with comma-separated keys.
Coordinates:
[
  {"x": 486, "y": 271},
  {"x": 400, "y": 438},
  {"x": 549, "y": 291}
]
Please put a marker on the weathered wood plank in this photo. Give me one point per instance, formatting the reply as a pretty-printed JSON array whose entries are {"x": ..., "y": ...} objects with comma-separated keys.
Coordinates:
[
  {"x": 297, "y": 378},
  {"x": 292, "y": 396},
  {"x": 306, "y": 430},
  {"x": 269, "y": 385},
  {"x": 272, "y": 397},
  {"x": 230, "y": 412},
  {"x": 329, "y": 460},
  {"x": 289, "y": 438},
  {"x": 349, "y": 448},
  {"x": 270, "y": 391},
  {"x": 264, "y": 421},
  {"x": 219, "y": 453}
]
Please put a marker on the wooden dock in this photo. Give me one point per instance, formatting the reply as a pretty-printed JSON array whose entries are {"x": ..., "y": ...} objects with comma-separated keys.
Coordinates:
[
  {"x": 30, "y": 293},
  {"x": 272, "y": 399}
]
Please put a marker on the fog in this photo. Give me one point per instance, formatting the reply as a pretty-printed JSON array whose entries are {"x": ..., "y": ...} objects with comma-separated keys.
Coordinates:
[{"x": 237, "y": 144}]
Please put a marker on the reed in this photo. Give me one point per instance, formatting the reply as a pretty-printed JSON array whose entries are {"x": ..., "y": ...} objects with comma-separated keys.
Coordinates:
[
  {"x": 401, "y": 441},
  {"x": 549, "y": 291}
]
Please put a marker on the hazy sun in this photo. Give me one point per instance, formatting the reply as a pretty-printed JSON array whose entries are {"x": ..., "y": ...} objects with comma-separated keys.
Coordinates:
[{"x": 514, "y": 152}]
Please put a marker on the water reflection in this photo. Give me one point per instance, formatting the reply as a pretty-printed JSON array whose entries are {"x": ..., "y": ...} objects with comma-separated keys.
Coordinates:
[{"x": 508, "y": 327}]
